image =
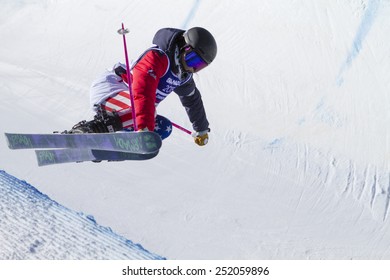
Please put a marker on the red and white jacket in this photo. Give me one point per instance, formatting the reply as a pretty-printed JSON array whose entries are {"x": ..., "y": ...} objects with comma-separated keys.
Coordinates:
[{"x": 154, "y": 76}]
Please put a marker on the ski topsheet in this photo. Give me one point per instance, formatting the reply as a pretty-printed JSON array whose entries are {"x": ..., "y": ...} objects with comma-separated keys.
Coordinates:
[
  {"x": 131, "y": 142},
  {"x": 57, "y": 156}
]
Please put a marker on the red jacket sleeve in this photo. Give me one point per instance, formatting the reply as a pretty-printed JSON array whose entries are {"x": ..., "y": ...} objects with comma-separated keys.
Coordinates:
[{"x": 146, "y": 76}]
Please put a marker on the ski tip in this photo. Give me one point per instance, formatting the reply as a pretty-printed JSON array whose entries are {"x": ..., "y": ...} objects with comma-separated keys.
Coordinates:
[
  {"x": 19, "y": 141},
  {"x": 45, "y": 157},
  {"x": 8, "y": 136},
  {"x": 39, "y": 157}
]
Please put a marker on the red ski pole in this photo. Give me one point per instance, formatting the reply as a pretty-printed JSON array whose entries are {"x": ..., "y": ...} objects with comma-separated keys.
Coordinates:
[
  {"x": 181, "y": 128},
  {"x": 123, "y": 32}
]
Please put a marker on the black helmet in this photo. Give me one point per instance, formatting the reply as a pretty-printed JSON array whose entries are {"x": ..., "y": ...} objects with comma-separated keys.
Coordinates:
[{"x": 202, "y": 42}]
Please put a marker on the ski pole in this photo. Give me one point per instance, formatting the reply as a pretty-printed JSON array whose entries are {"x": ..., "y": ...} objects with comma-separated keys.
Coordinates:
[
  {"x": 181, "y": 128},
  {"x": 123, "y": 32}
]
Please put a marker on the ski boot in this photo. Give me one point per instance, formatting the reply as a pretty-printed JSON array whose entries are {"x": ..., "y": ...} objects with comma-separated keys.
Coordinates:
[{"x": 103, "y": 122}]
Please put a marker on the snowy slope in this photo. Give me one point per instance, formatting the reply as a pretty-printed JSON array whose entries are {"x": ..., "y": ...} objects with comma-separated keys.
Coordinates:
[
  {"x": 35, "y": 227},
  {"x": 298, "y": 99}
]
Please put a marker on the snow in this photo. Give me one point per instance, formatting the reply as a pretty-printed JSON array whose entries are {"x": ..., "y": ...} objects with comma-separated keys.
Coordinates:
[
  {"x": 35, "y": 227},
  {"x": 297, "y": 166}
]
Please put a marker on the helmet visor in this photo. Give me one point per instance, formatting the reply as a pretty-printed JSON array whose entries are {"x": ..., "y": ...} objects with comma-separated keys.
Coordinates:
[{"x": 194, "y": 60}]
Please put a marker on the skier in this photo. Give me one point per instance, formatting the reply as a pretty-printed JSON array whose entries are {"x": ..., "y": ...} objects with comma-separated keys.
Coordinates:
[{"x": 165, "y": 67}]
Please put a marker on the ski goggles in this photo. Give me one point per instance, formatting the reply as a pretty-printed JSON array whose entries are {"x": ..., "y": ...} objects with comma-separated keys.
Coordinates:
[{"x": 193, "y": 60}]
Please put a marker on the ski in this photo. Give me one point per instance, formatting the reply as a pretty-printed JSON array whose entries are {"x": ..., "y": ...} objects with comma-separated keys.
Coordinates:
[
  {"x": 58, "y": 156},
  {"x": 133, "y": 142}
]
